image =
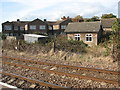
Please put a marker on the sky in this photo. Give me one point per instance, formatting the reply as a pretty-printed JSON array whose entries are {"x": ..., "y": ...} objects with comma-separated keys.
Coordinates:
[{"x": 11, "y": 10}]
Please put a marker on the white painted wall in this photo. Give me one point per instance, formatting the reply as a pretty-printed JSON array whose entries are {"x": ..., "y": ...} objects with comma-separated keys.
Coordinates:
[{"x": 30, "y": 39}]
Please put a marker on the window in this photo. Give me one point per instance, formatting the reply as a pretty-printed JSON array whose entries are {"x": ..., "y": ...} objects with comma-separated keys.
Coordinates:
[
  {"x": 8, "y": 27},
  {"x": 32, "y": 27},
  {"x": 7, "y": 34},
  {"x": 77, "y": 37},
  {"x": 21, "y": 34},
  {"x": 11, "y": 34},
  {"x": 22, "y": 27},
  {"x": 63, "y": 26},
  {"x": 15, "y": 27},
  {"x": 42, "y": 26},
  {"x": 50, "y": 27},
  {"x": 88, "y": 37}
]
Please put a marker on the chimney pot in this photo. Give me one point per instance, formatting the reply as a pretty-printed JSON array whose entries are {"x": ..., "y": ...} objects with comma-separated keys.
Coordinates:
[
  {"x": 45, "y": 19},
  {"x": 18, "y": 20}
]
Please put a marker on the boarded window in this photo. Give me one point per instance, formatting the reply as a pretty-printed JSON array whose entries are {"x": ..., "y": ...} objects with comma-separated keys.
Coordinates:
[
  {"x": 55, "y": 27},
  {"x": 50, "y": 27}
]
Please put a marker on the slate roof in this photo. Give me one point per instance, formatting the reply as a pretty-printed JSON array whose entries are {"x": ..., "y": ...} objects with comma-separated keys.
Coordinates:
[
  {"x": 83, "y": 27},
  {"x": 56, "y": 22},
  {"x": 51, "y": 22},
  {"x": 108, "y": 22},
  {"x": 17, "y": 22}
]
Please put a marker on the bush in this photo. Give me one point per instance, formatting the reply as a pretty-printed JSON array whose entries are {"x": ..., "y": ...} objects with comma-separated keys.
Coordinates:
[
  {"x": 58, "y": 43},
  {"x": 3, "y": 36},
  {"x": 61, "y": 43},
  {"x": 40, "y": 33},
  {"x": 113, "y": 45}
]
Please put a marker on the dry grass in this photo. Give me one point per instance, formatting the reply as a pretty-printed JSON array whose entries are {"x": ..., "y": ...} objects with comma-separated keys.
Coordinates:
[{"x": 94, "y": 57}]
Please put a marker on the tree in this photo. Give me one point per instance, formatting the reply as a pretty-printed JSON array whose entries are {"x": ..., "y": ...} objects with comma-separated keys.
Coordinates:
[
  {"x": 78, "y": 18},
  {"x": 3, "y": 36},
  {"x": 94, "y": 18},
  {"x": 68, "y": 17},
  {"x": 114, "y": 42},
  {"x": 108, "y": 16},
  {"x": 63, "y": 18}
]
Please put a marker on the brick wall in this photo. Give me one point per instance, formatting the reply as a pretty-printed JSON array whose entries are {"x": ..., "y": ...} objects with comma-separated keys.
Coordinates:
[{"x": 83, "y": 38}]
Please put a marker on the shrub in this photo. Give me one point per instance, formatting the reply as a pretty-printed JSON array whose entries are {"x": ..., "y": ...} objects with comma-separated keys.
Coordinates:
[
  {"x": 3, "y": 36},
  {"x": 61, "y": 43},
  {"x": 113, "y": 45}
]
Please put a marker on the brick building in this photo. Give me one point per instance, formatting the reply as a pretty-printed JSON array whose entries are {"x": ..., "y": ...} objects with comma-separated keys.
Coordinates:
[
  {"x": 18, "y": 28},
  {"x": 88, "y": 32}
]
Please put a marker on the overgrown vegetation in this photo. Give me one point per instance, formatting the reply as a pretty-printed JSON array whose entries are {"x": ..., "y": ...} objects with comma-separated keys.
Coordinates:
[
  {"x": 58, "y": 43},
  {"x": 113, "y": 45},
  {"x": 3, "y": 36},
  {"x": 94, "y": 18},
  {"x": 40, "y": 33},
  {"x": 108, "y": 16},
  {"x": 61, "y": 43}
]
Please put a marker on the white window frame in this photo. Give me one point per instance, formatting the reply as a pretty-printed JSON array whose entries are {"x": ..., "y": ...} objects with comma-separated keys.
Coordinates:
[
  {"x": 76, "y": 36},
  {"x": 88, "y": 36},
  {"x": 42, "y": 27},
  {"x": 8, "y": 27},
  {"x": 32, "y": 27},
  {"x": 15, "y": 28},
  {"x": 63, "y": 26}
]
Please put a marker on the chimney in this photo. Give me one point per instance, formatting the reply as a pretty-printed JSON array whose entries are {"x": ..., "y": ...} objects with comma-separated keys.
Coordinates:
[
  {"x": 18, "y": 20},
  {"x": 45, "y": 20}
]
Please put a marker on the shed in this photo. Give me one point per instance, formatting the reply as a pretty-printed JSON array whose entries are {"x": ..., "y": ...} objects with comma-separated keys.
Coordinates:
[{"x": 31, "y": 38}]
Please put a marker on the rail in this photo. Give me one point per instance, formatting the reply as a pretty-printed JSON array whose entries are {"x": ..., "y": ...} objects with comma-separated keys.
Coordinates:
[
  {"x": 63, "y": 73},
  {"x": 61, "y": 65}
]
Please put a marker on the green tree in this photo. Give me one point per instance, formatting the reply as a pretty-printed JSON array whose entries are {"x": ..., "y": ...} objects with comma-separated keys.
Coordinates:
[
  {"x": 40, "y": 33},
  {"x": 95, "y": 18},
  {"x": 108, "y": 16},
  {"x": 3, "y": 36}
]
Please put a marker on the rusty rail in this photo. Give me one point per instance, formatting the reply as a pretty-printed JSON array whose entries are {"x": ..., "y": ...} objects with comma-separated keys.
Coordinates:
[
  {"x": 60, "y": 65},
  {"x": 63, "y": 73},
  {"x": 32, "y": 80}
]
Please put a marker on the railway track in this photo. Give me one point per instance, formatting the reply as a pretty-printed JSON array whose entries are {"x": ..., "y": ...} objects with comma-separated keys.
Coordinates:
[
  {"x": 112, "y": 75},
  {"x": 10, "y": 78},
  {"x": 62, "y": 73},
  {"x": 60, "y": 65}
]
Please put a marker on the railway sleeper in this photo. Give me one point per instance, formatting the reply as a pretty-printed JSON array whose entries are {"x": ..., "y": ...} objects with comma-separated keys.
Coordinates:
[
  {"x": 11, "y": 80},
  {"x": 4, "y": 78},
  {"x": 21, "y": 82},
  {"x": 33, "y": 86}
]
